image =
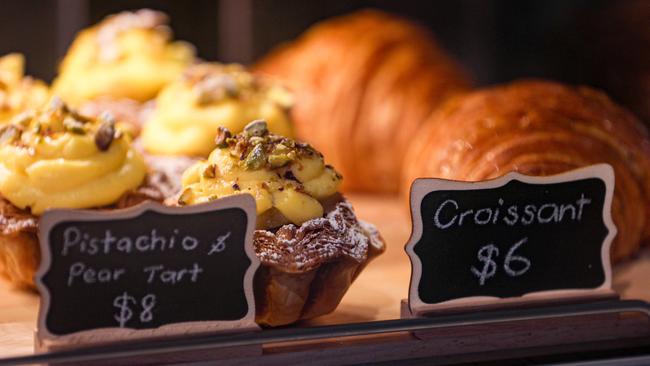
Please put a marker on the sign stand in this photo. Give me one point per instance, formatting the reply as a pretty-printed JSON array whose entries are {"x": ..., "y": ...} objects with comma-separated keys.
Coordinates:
[
  {"x": 147, "y": 272},
  {"x": 514, "y": 242}
]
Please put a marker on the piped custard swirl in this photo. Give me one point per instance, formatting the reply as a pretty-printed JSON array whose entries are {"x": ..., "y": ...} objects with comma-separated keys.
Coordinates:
[
  {"x": 127, "y": 55},
  {"x": 289, "y": 180},
  {"x": 57, "y": 158},
  {"x": 190, "y": 110}
]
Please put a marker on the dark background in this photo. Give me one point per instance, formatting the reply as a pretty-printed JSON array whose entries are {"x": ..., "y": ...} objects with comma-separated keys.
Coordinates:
[{"x": 496, "y": 40}]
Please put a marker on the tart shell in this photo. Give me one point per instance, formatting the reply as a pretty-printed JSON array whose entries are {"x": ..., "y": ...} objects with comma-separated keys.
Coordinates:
[{"x": 306, "y": 270}]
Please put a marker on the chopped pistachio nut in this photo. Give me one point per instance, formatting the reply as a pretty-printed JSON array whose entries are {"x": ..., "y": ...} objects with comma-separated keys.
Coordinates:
[
  {"x": 222, "y": 137},
  {"x": 74, "y": 126},
  {"x": 185, "y": 197},
  {"x": 9, "y": 133},
  {"x": 256, "y": 128},
  {"x": 215, "y": 88},
  {"x": 210, "y": 171},
  {"x": 256, "y": 158},
  {"x": 105, "y": 134},
  {"x": 279, "y": 160},
  {"x": 23, "y": 119}
]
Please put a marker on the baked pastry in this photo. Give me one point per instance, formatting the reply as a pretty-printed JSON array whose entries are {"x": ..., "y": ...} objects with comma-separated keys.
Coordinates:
[
  {"x": 126, "y": 56},
  {"x": 541, "y": 128},
  {"x": 364, "y": 84},
  {"x": 189, "y": 111},
  {"x": 57, "y": 158},
  {"x": 17, "y": 91},
  {"x": 308, "y": 239}
]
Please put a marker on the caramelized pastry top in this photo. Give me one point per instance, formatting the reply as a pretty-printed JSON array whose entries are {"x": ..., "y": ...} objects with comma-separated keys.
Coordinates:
[
  {"x": 17, "y": 91},
  {"x": 190, "y": 110},
  {"x": 281, "y": 174},
  {"x": 56, "y": 158},
  {"x": 298, "y": 249},
  {"x": 127, "y": 55}
]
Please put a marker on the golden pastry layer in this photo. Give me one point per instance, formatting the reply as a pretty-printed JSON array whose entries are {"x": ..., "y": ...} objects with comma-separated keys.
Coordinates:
[
  {"x": 127, "y": 55},
  {"x": 57, "y": 158},
  {"x": 309, "y": 241},
  {"x": 17, "y": 91},
  {"x": 540, "y": 128},
  {"x": 307, "y": 269},
  {"x": 364, "y": 84},
  {"x": 190, "y": 110}
]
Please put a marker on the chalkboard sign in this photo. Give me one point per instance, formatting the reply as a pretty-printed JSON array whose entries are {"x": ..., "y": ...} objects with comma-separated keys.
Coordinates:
[
  {"x": 510, "y": 237},
  {"x": 147, "y": 270}
]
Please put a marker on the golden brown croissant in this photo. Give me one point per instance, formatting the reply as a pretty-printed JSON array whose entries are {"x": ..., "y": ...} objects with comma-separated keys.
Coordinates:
[
  {"x": 364, "y": 84},
  {"x": 540, "y": 128}
]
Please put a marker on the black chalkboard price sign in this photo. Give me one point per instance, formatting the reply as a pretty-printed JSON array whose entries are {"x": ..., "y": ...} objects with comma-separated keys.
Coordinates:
[
  {"x": 148, "y": 270},
  {"x": 513, "y": 237}
]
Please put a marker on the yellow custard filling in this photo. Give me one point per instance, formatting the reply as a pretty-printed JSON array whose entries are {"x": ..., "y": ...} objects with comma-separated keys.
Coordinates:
[
  {"x": 283, "y": 176},
  {"x": 190, "y": 110},
  {"x": 17, "y": 91},
  {"x": 128, "y": 55},
  {"x": 59, "y": 159}
]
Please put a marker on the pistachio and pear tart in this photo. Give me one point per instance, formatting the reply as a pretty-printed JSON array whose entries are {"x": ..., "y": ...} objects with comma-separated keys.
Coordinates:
[
  {"x": 17, "y": 91},
  {"x": 126, "y": 57},
  {"x": 308, "y": 239},
  {"x": 189, "y": 112},
  {"x": 57, "y": 158}
]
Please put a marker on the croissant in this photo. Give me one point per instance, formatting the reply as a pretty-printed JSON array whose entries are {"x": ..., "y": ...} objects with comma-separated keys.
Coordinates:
[
  {"x": 540, "y": 128},
  {"x": 364, "y": 84}
]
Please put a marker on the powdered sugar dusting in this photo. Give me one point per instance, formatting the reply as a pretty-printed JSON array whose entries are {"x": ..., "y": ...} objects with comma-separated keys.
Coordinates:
[{"x": 317, "y": 241}]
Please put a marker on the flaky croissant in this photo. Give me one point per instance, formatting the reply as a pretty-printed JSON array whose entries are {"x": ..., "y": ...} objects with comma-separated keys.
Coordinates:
[
  {"x": 364, "y": 84},
  {"x": 540, "y": 128}
]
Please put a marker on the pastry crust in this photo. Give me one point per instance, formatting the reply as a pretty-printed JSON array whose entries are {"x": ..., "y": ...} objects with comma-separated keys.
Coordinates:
[
  {"x": 306, "y": 270},
  {"x": 19, "y": 247},
  {"x": 364, "y": 83},
  {"x": 540, "y": 128}
]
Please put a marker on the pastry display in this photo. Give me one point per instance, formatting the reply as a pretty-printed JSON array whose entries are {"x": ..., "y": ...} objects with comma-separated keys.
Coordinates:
[
  {"x": 364, "y": 84},
  {"x": 308, "y": 239},
  {"x": 57, "y": 158},
  {"x": 129, "y": 56},
  {"x": 17, "y": 91},
  {"x": 190, "y": 111},
  {"x": 135, "y": 116},
  {"x": 540, "y": 128}
]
